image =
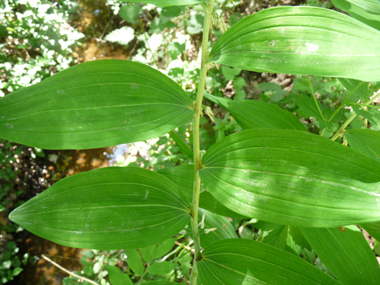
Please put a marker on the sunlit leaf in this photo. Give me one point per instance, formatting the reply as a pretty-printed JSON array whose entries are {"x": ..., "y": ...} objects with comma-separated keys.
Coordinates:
[
  {"x": 166, "y": 3},
  {"x": 243, "y": 262},
  {"x": 94, "y": 104},
  {"x": 346, "y": 253},
  {"x": 252, "y": 114},
  {"x": 107, "y": 208},
  {"x": 301, "y": 40},
  {"x": 292, "y": 178},
  {"x": 183, "y": 176}
]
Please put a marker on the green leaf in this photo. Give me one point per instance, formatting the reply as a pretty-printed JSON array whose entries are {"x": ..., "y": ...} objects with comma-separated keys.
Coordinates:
[
  {"x": 166, "y": 3},
  {"x": 147, "y": 253},
  {"x": 88, "y": 253},
  {"x": 292, "y": 178},
  {"x": 252, "y": 114},
  {"x": 215, "y": 228},
  {"x": 164, "y": 248},
  {"x": 130, "y": 13},
  {"x": 367, "y": 11},
  {"x": 358, "y": 89},
  {"x": 276, "y": 236},
  {"x": 161, "y": 268},
  {"x": 183, "y": 177},
  {"x": 301, "y": 40},
  {"x": 365, "y": 141},
  {"x": 108, "y": 208},
  {"x": 135, "y": 261},
  {"x": 373, "y": 229},
  {"x": 241, "y": 261},
  {"x": 116, "y": 276},
  {"x": 195, "y": 24},
  {"x": 307, "y": 107},
  {"x": 230, "y": 73},
  {"x": 94, "y": 104},
  {"x": 346, "y": 253}
]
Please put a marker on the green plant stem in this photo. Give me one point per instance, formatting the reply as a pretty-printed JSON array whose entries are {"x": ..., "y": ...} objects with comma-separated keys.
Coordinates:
[
  {"x": 196, "y": 149},
  {"x": 349, "y": 120},
  {"x": 315, "y": 99}
]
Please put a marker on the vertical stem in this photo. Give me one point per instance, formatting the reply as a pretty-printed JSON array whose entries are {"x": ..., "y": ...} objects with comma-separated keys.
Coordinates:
[{"x": 196, "y": 149}]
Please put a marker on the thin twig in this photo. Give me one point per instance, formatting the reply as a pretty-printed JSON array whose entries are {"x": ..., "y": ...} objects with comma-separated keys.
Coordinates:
[{"x": 67, "y": 271}]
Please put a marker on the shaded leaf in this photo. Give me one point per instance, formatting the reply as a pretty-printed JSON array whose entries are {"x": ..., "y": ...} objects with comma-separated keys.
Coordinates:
[
  {"x": 373, "y": 229},
  {"x": 183, "y": 176},
  {"x": 252, "y": 114},
  {"x": 216, "y": 228},
  {"x": 365, "y": 141},
  {"x": 108, "y": 208},
  {"x": 240, "y": 261},
  {"x": 130, "y": 13},
  {"x": 358, "y": 90},
  {"x": 164, "y": 248},
  {"x": 367, "y": 11},
  {"x": 161, "y": 268},
  {"x": 346, "y": 253},
  {"x": 276, "y": 234},
  {"x": 94, "y": 104},
  {"x": 292, "y": 178},
  {"x": 135, "y": 261},
  {"x": 301, "y": 40},
  {"x": 116, "y": 276}
]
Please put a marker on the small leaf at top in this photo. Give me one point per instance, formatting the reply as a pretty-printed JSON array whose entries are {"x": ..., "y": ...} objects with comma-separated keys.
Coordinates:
[
  {"x": 130, "y": 13},
  {"x": 301, "y": 40},
  {"x": 94, "y": 104},
  {"x": 107, "y": 208}
]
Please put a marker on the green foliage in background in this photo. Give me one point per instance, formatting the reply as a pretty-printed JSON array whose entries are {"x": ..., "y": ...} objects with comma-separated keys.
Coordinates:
[
  {"x": 35, "y": 41},
  {"x": 291, "y": 188}
]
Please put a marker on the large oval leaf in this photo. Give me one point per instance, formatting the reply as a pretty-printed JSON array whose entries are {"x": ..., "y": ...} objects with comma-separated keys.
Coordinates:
[
  {"x": 241, "y": 261},
  {"x": 346, "y": 253},
  {"x": 183, "y": 176},
  {"x": 94, "y": 104},
  {"x": 252, "y": 114},
  {"x": 166, "y": 3},
  {"x": 292, "y": 177},
  {"x": 301, "y": 40},
  {"x": 365, "y": 141},
  {"x": 108, "y": 208},
  {"x": 365, "y": 11}
]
